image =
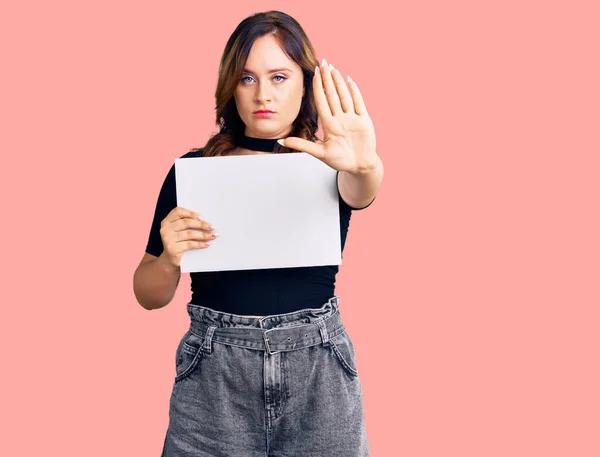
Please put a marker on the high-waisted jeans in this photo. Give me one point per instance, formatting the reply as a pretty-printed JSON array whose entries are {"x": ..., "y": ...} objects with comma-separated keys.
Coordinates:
[{"x": 283, "y": 385}]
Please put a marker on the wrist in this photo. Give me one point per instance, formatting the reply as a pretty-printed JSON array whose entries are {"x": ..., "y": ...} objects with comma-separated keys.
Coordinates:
[
  {"x": 372, "y": 165},
  {"x": 165, "y": 264}
]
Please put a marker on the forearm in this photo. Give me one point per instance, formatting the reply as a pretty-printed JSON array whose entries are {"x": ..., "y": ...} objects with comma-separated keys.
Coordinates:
[
  {"x": 155, "y": 283},
  {"x": 363, "y": 185}
]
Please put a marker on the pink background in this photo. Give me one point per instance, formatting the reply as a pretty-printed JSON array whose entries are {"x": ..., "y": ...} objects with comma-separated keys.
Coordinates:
[{"x": 470, "y": 287}]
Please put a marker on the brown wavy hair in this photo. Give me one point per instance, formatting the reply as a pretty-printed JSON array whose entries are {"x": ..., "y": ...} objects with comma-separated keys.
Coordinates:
[{"x": 295, "y": 44}]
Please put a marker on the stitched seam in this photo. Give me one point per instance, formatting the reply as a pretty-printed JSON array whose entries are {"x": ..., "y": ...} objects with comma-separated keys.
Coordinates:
[
  {"x": 189, "y": 369},
  {"x": 189, "y": 349},
  {"x": 337, "y": 352}
]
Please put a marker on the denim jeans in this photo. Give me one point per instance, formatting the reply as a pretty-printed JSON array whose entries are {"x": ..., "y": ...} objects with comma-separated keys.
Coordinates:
[{"x": 283, "y": 385}]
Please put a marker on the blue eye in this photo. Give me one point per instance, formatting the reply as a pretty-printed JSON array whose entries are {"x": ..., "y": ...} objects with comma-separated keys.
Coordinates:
[{"x": 276, "y": 76}]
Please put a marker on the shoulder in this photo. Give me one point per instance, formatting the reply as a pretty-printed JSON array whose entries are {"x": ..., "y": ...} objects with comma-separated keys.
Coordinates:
[
  {"x": 196, "y": 152},
  {"x": 170, "y": 177}
]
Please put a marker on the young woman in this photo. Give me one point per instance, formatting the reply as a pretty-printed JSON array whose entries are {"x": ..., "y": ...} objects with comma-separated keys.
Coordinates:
[{"x": 266, "y": 367}]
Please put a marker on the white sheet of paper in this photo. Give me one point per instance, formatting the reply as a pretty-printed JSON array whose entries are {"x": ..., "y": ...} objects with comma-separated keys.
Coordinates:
[{"x": 271, "y": 211}]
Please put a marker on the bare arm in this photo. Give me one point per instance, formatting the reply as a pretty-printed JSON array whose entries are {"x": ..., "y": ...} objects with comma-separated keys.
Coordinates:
[
  {"x": 155, "y": 281},
  {"x": 156, "y": 278},
  {"x": 359, "y": 189}
]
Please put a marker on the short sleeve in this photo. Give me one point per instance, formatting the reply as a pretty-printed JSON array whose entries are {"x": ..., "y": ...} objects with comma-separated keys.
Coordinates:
[
  {"x": 167, "y": 200},
  {"x": 342, "y": 202}
]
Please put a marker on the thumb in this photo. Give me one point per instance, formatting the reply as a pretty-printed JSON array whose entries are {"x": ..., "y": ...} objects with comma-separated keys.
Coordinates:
[{"x": 300, "y": 144}]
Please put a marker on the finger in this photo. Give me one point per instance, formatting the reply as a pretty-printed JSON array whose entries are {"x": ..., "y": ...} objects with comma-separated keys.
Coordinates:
[
  {"x": 330, "y": 91},
  {"x": 193, "y": 235},
  {"x": 183, "y": 224},
  {"x": 359, "y": 104},
  {"x": 180, "y": 212},
  {"x": 300, "y": 144},
  {"x": 323, "y": 108},
  {"x": 192, "y": 244},
  {"x": 342, "y": 90}
]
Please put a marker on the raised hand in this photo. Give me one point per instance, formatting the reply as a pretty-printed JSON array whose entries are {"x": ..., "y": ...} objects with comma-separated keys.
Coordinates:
[{"x": 349, "y": 134}]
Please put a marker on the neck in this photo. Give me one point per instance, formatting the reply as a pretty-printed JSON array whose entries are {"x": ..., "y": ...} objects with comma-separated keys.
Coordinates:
[{"x": 256, "y": 144}]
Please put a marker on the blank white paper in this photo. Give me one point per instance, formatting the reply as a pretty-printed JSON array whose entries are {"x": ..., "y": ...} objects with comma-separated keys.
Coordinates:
[{"x": 271, "y": 211}]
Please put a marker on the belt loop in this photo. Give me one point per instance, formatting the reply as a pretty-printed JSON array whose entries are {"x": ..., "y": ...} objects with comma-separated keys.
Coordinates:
[
  {"x": 335, "y": 303},
  {"x": 323, "y": 330},
  {"x": 207, "y": 345}
]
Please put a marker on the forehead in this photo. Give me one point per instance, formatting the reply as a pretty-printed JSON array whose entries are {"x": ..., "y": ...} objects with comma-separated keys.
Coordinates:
[{"x": 266, "y": 55}]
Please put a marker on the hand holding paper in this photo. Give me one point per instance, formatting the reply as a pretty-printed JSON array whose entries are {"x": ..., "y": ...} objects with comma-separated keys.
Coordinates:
[{"x": 182, "y": 230}]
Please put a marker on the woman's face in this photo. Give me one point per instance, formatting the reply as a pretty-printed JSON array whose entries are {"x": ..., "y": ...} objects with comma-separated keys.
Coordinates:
[{"x": 261, "y": 88}]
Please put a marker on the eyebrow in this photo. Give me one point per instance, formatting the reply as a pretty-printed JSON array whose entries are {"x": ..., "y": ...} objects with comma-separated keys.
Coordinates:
[{"x": 246, "y": 70}]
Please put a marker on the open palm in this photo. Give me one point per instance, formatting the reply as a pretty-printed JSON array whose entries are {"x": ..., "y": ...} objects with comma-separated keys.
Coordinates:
[{"x": 349, "y": 134}]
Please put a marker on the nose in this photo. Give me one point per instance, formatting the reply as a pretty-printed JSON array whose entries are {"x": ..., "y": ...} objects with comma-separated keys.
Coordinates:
[{"x": 263, "y": 94}]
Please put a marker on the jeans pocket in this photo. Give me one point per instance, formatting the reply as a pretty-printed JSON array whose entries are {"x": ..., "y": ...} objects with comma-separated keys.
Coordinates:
[
  {"x": 188, "y": 355},
  {"x": 343, "y": 349}
]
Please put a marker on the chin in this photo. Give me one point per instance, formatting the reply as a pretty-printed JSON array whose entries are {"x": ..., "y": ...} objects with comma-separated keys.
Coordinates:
[{"x": 265, "y": 133}]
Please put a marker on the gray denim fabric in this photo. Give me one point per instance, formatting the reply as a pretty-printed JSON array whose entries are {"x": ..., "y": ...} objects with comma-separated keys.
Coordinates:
[{"x": 283, "y": 385}]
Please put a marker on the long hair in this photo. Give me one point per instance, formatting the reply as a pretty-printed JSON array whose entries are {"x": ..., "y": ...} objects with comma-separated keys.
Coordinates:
[{"x": 293, "y": 41}]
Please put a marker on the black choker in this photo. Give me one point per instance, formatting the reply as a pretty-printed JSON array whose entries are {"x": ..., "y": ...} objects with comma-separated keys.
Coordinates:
[{"x": 256, "y": 144}]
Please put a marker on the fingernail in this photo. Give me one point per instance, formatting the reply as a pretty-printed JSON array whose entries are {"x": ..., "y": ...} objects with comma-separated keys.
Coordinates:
[
  {"x": 280, "y": 142},
  {"x": 199, "y": 217},
  {"x": 323, "y": 62}
]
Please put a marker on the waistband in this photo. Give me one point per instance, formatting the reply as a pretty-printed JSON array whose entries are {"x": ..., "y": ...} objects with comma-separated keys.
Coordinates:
[{"x": 274, "y": 333}]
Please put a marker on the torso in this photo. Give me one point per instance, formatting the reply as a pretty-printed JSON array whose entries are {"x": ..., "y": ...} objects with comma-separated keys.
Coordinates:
[
  {"x": 267, "y": 290},
  {"x": 244, "y": 152}
]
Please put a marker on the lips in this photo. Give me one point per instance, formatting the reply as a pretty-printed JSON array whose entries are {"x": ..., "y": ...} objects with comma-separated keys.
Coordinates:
[{"x": 263, "y": 111}]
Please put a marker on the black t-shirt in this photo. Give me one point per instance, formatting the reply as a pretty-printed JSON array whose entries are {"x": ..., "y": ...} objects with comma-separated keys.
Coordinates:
[{"x": 252, "y": 292}]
